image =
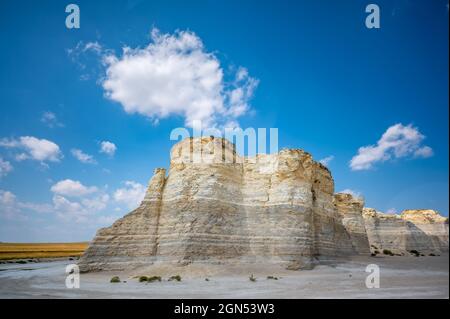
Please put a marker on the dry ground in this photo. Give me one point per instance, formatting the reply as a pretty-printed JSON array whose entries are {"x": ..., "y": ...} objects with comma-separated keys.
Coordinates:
[{"x": 400, "y": 277}]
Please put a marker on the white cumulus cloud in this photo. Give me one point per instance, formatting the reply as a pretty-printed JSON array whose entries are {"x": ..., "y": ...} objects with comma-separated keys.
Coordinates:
[
  {"x": 72, "y": 188},
  {"x": 176, "y": 75},
  {"x": 83, "y": 157},
  {"x": 397, "y": 142},
  {"x": 108, "y": 148},
  {"x": 131, "y": 195},
  {"x": 33, "y": 148}
]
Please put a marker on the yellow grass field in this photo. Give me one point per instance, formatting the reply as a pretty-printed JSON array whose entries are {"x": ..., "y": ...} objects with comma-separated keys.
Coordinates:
[{"x": 41, "y": 250}]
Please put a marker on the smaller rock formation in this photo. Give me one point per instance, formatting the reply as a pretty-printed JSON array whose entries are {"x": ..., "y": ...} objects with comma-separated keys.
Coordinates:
[
  {"x": 424, "y": 231},
  {"x": 350, "y": 210}
]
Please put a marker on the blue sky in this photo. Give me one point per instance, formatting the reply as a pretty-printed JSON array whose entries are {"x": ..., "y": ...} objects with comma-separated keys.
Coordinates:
[{"x": 309, "y": 68}]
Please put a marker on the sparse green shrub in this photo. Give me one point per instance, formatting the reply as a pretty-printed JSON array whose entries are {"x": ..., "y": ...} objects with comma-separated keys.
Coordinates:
[
  {"x": 431, "y": 254},
  {"x": 176, "y": 277},
  {"x": 387, "y": 252},
  {"x": 376, "y": 252},
  {"x": 143, "y": 278},
  {"x": 272, "y": 277},
  {"x": 21, "y": 262},
  {"x": 154, "y": 278},
  {"x": 206, "y": 279},
  {"x": 115, "y": 279},
  {"x": 252, "y": 278},
  {"x": 415, "y": 252}
]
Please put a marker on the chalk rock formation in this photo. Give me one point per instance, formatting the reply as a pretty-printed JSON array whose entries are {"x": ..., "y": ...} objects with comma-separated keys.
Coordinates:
[
  {"x": 132, "y": 240},
  {"x": 350, "y": 210},
  {"x": 422, "y": 230},
  {"x": 216, "y": 207}
]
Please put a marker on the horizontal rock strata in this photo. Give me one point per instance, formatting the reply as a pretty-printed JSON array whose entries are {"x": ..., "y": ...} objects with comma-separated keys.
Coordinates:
[
  {"x": 350, "y": 209},
  {"x": 216, "y": 207},
  {"x": 424, "y": 231}
]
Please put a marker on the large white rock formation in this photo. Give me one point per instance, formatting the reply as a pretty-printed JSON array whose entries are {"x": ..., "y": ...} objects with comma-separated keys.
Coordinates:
[{"x": 216, "y": 207}]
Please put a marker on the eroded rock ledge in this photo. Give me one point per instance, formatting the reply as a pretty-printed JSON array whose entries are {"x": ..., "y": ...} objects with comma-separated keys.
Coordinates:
[{"x": 224, "y": 208}]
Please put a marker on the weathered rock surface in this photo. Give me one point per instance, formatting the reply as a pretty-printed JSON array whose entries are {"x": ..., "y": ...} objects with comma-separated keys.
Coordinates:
[
  {"x": 424, "y": 231},
  {"x": 217, "y": 207},
  {"x": 350, "y": 210},
  {"x": 271, "y": 208}
]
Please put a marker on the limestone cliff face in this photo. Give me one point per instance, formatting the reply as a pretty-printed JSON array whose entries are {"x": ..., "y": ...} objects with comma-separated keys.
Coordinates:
[
  {"x": 422, "y": 230},
  {"x": 350, "y": 210},
  {"x": 131, "y": 240},
  {"x": 215, "y": 206}
]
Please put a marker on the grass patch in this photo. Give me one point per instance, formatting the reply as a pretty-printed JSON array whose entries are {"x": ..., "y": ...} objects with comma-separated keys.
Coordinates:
[
  {"x": 175, "y": 278},
  {"x": 149, "y": 278},
  {"x": 252, "y": 278},
  {"x": 115, "y": 279},
  {"x": 154, "y": 278},
  {"x": 387, "y": 252}
]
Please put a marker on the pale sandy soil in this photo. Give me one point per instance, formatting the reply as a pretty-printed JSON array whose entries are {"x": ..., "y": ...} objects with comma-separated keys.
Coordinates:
[{"x": 401, "y": 277}]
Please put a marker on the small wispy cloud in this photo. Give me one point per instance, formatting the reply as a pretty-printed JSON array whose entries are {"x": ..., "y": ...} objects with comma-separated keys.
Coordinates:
[
  {"x": 108, "y": 148},
  {"x": 83, "y": 157},
  {"x": 50, "y": 119},
  {"x": 5, "y": 167},
  {"x": 398, "y": 141},
  {"x": 326, "y": 161},
  {"x": 391, "y": 211},
  {"x": 352, "y": 192}
]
